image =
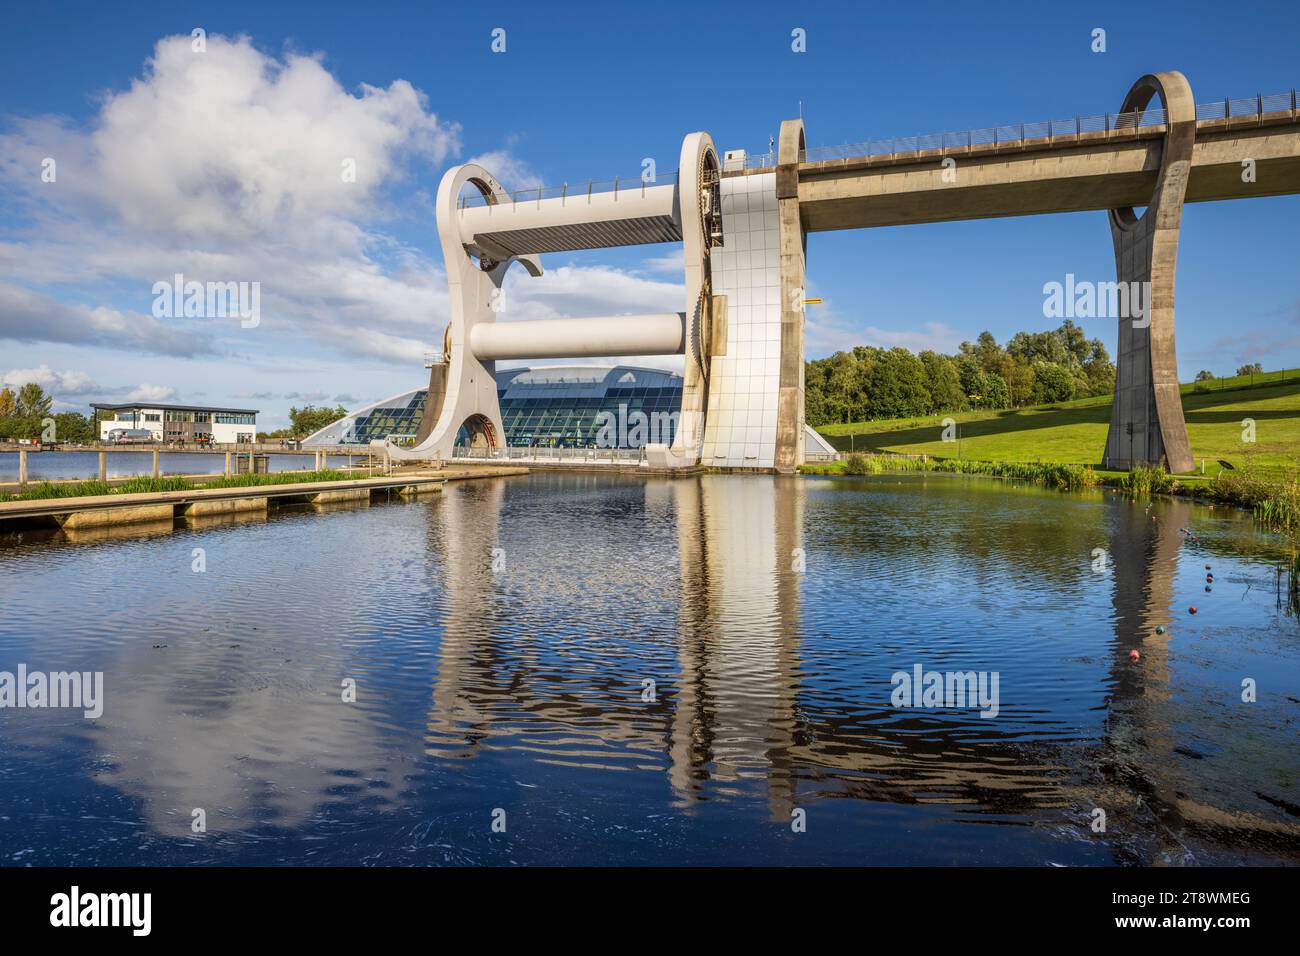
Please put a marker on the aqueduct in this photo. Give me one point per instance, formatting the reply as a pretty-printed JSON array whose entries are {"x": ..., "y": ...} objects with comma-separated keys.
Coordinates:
[{"x": 743, "y": 222}]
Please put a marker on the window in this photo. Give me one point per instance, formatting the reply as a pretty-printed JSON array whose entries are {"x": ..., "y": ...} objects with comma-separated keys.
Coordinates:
[{"x": 550, "y": 414}]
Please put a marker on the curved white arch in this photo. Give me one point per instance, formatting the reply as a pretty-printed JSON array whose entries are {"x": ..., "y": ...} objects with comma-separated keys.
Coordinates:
[
  {"x": 474, "y": 282},
  {"x": 476, "y": 269}
]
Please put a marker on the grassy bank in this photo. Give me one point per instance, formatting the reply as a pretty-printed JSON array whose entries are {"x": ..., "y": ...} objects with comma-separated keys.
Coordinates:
[
  {"x": 149, "y": 485},
  {"x": 1074, "y": 433},
  {"x": 1065, "y": 477},
  {"x": 1061, "y": 445},
  {"x": 1273, "y": 496}
]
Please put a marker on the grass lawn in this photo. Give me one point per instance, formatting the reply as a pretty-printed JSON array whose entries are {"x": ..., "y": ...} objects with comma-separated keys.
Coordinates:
[
  {"x": 145, "y": 484},
  {"x": 1075, "y": 432}
]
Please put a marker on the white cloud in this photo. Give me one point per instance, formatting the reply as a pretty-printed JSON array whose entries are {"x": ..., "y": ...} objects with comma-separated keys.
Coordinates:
[
  {"x": 587, "y": 291},
  {"x": 73, "y": 383},
  {"x": 68, "y": 382},
  {"x": 151, "y": 393},
  {"x": 509, "y": 170},
  {"x": 234, "y": 143},
  {"x": 672, "y": 262},
  {"x": 27, "y": 316},
  {"x": 228, "y": 165}
]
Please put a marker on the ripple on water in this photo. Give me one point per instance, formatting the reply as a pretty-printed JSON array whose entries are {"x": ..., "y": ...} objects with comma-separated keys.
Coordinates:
[{"x": 653, "y": 671}]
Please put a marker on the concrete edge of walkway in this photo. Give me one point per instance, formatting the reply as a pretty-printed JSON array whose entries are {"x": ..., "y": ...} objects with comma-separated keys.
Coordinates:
[{"x": 44, "y": 507}]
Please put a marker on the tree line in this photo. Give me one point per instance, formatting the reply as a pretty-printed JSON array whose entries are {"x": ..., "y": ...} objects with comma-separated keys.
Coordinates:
[
  {"x": 27, "y": 413},
  {"x": 306, "y": 421},
  {"x": 1033, "y": 368},
  {"x": 1253, "y": 368}
]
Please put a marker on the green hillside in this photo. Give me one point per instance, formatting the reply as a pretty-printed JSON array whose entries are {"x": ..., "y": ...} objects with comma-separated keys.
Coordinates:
[{"x": 1075, "y": 432}]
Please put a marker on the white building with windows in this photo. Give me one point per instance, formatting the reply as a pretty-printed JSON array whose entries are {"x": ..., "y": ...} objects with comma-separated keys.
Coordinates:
[{"x": 191, "y": 424}]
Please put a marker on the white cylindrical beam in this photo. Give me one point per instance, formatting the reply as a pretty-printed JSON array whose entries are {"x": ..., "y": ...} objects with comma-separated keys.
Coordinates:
[{"x": 661, "y": 333}]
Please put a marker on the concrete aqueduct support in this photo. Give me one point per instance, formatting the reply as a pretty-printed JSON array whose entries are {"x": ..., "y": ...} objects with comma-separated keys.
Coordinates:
[
  {"x": 1146, "y": 419},
  {"x": 793, "y": 248}
]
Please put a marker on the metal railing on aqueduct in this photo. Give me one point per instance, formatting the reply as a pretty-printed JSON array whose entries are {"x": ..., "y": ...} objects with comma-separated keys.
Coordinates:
[{"x": 1062, "y": 130}]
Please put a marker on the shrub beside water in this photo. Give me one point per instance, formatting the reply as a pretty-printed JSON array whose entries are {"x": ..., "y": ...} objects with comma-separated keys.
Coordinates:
[
  {"x": 857, "y": 464},
  {"x": 147, "y": 485},
  {"x": 280, "y": 478},
  {"x": 1281, "y": 511},
  {"x": 1148, "y": 480},
  {"x": 1065, "y": 477},
  {"x": 93, "y": 487},
  {"x": 1273, "y": 497},
  {"x": 47, "y": 489},
  {"x": 1276, "y": 504}
]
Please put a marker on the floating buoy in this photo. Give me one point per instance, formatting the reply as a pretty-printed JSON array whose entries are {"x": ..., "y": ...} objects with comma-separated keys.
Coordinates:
[
  {"x": 1133, "y": 655},
  {"x": 1160, "y": 628},
  {"x": 1192, "y": 609}
]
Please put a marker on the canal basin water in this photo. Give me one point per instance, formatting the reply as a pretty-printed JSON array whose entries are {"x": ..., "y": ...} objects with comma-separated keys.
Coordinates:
[{"x": 631, "y": 671}]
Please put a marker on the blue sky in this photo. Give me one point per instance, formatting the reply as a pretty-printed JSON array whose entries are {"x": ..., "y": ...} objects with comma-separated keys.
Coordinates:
[{"x": 164, "y": 169}]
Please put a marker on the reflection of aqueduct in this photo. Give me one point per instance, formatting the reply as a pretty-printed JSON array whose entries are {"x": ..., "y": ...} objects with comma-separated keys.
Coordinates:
[
  {"x": 735, "y": 710},
  {"x": 743, "y": 229},
  {"x": 1146, "y": 771}
]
